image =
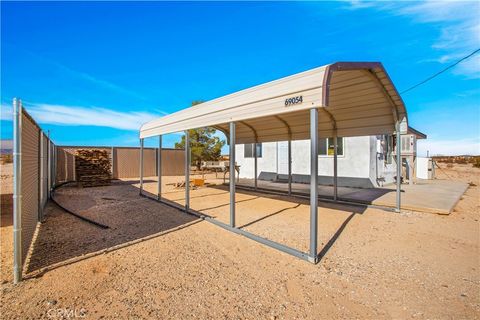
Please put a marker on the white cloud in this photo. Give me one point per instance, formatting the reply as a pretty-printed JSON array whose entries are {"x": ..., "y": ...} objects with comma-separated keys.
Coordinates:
[
  {"x": 83, "y": 116},
  {"x": 449, "y": 147},
  {"x": 6, "y": 144},
  {"x": 86, "y": 77},
  {"x": 458, "y": 25},
  {"x": 6, "y": 112},
  {"x": 97, "y": 82}
]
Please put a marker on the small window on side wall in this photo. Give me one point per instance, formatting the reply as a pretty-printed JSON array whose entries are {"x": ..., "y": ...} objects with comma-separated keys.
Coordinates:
[
  {"x": 248, "y": 150},
  {"x": 326, "y": 147}
]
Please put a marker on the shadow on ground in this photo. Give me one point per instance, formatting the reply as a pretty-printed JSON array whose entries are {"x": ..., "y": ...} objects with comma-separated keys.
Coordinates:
[
  {"x": 292, "y": 204},
  {"x": 129, "y": 217},
  {"x": 63, "y": 237}
]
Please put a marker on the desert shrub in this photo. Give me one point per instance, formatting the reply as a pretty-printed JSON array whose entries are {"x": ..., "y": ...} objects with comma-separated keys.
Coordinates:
[
  {"x": 450, "y": 165},
  {"x": 476, "y": 162},
  {"x": 6, "y": 158},
  {"x": 461, "y": 160}
]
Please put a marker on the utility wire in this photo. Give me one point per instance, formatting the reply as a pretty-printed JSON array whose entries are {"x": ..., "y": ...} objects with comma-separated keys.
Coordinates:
[{"x": 442, "y": 71}]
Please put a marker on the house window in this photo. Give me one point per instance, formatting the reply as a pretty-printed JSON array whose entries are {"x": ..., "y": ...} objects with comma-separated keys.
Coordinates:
[
  {"x": 248, "y": 150},
  {"x": 326, "y": 146}
]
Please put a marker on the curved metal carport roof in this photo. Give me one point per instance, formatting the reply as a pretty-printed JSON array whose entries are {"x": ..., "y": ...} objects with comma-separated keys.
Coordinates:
[
  {"x": 354, "y": 99},
  {"x": 341, "y": 99}
]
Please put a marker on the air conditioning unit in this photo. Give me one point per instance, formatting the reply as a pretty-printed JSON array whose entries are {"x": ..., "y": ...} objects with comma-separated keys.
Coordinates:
[{"x": 408, "y": 144}]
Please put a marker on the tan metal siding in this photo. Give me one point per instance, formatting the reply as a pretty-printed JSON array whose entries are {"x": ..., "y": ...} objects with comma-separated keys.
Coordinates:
[
  {"x": 127, "y": 162},
  {"x": 30, "y": 181},
  {"x": 173, "y": 162}
]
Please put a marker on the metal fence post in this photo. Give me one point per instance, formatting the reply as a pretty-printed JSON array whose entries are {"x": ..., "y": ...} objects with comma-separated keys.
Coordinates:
[
  {"x": 141, "y": 166},
  {"x": 335, "y": 167},
  {"x": 49, "y": 165},
  {"x": 399, "y": 166},
  {"x": 40, "y": 176},
  {"x": 232, "y": 174},
  {"x": 159, "y": 163},
  {"x": 54, "y": 165},
  {"x": 17, "y": 191},
  {"x": 255, "y": 163},
  {"x": 289, "y": 166},
  {"x": 187, "y": 170},
  {"x": 313, "y": 183},
  {"x": 113, "y": 162}
]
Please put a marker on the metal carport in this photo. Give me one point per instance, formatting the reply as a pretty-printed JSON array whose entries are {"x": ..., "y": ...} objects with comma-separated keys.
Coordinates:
[{"x": 337, "y": 100}]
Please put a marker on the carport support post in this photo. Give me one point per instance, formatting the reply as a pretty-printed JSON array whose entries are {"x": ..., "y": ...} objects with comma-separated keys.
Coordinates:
[
  {"x": 187, "y": 170},
  {"x": 313, "y": 183},
  {"x": 335, "y": 163},
  {"x": 399, "y": 166},
  {"x": 159, "y": 168},
  {"x": 232, "y": 174},
  {"x": 255, "y": 156},
  {"x": 141, "y": 166},
  {"x": 289, "y": 167},
  {"x": 17, "y": 191}
]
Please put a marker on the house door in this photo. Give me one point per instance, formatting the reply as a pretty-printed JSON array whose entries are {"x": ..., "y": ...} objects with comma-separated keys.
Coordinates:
[{"x": 282, "y": 156}]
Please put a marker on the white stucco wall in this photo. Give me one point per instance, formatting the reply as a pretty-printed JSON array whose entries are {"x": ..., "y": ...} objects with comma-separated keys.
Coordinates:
[
  {"x": 355, "y": 162},
  {"x": 268, "y": 161}
]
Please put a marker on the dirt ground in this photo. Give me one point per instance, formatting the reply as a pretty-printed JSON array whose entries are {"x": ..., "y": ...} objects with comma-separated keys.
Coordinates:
[{"x": 157, "y": 262}]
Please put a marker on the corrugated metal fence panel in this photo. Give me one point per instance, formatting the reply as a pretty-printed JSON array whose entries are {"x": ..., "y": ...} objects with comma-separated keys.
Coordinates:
[
  {"x": 127, "y": 162},
  {"x": 173, "y": 162},
  {"x": 30, "y": 181}
]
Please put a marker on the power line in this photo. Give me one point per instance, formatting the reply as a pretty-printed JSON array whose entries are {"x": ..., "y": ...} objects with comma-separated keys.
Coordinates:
[{"x": 442, "y": 71}]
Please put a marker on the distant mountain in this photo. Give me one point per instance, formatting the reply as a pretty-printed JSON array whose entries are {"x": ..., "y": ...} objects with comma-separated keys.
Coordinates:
[{"x": 6, "y": 146}]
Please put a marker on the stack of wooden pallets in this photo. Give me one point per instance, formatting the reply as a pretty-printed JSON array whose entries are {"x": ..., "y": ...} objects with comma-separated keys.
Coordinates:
[{"x": 92, "y": 168}]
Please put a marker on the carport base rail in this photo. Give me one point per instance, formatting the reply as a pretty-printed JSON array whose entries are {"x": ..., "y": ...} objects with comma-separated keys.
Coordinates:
[{"x": 267, "y": 242}]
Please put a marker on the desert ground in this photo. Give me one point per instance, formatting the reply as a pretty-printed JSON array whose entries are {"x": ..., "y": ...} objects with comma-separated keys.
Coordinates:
[{"x": 158, "y": 262}]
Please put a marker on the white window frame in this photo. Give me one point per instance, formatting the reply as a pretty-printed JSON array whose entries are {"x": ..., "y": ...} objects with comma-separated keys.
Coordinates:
[
  {"x": 259, "y": 154},
  {"x": 331, "y": 156}
]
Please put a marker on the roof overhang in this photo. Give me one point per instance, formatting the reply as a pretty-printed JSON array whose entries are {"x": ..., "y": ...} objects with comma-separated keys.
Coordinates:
[
  {"x": 418, "y": 134},
  {"x": 353, "y": 98}
]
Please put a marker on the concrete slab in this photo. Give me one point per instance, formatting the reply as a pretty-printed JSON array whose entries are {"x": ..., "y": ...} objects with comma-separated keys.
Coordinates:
[{"x": 433, "y": 196}]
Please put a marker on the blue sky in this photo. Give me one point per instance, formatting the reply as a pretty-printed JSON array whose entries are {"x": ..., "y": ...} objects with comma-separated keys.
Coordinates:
[{"x": 92, "y": 73}]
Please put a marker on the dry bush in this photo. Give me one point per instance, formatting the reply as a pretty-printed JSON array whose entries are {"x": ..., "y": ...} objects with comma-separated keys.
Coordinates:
[
  {"x": 476, "y": 162},
  {"x": 450, "y": 165},
  {"x": 6, "y": 158}
]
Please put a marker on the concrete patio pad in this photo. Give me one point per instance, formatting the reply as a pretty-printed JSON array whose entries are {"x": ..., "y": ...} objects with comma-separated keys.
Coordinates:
[{"x": 433, "y": 196}]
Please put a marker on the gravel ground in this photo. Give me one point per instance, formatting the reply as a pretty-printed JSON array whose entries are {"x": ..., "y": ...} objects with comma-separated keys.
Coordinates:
[{"x": 156, "y": 262}]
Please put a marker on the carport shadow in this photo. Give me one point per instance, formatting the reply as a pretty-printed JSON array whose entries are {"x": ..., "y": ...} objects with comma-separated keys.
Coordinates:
[
  {"x": 353, "y": 207},
  {"x": 350, "y": 194},
  {"x": 63, "y": 237},
  {"x": 334, "y": 238}
]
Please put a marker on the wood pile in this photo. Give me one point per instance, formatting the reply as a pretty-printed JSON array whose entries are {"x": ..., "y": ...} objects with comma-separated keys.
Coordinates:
[{"x": 92, "y": 168}]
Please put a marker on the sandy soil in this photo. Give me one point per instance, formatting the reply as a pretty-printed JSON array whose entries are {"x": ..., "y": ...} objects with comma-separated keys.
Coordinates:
[
  {"x": 6, "y": 222},
  {"x": 156, "y": 262}
]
